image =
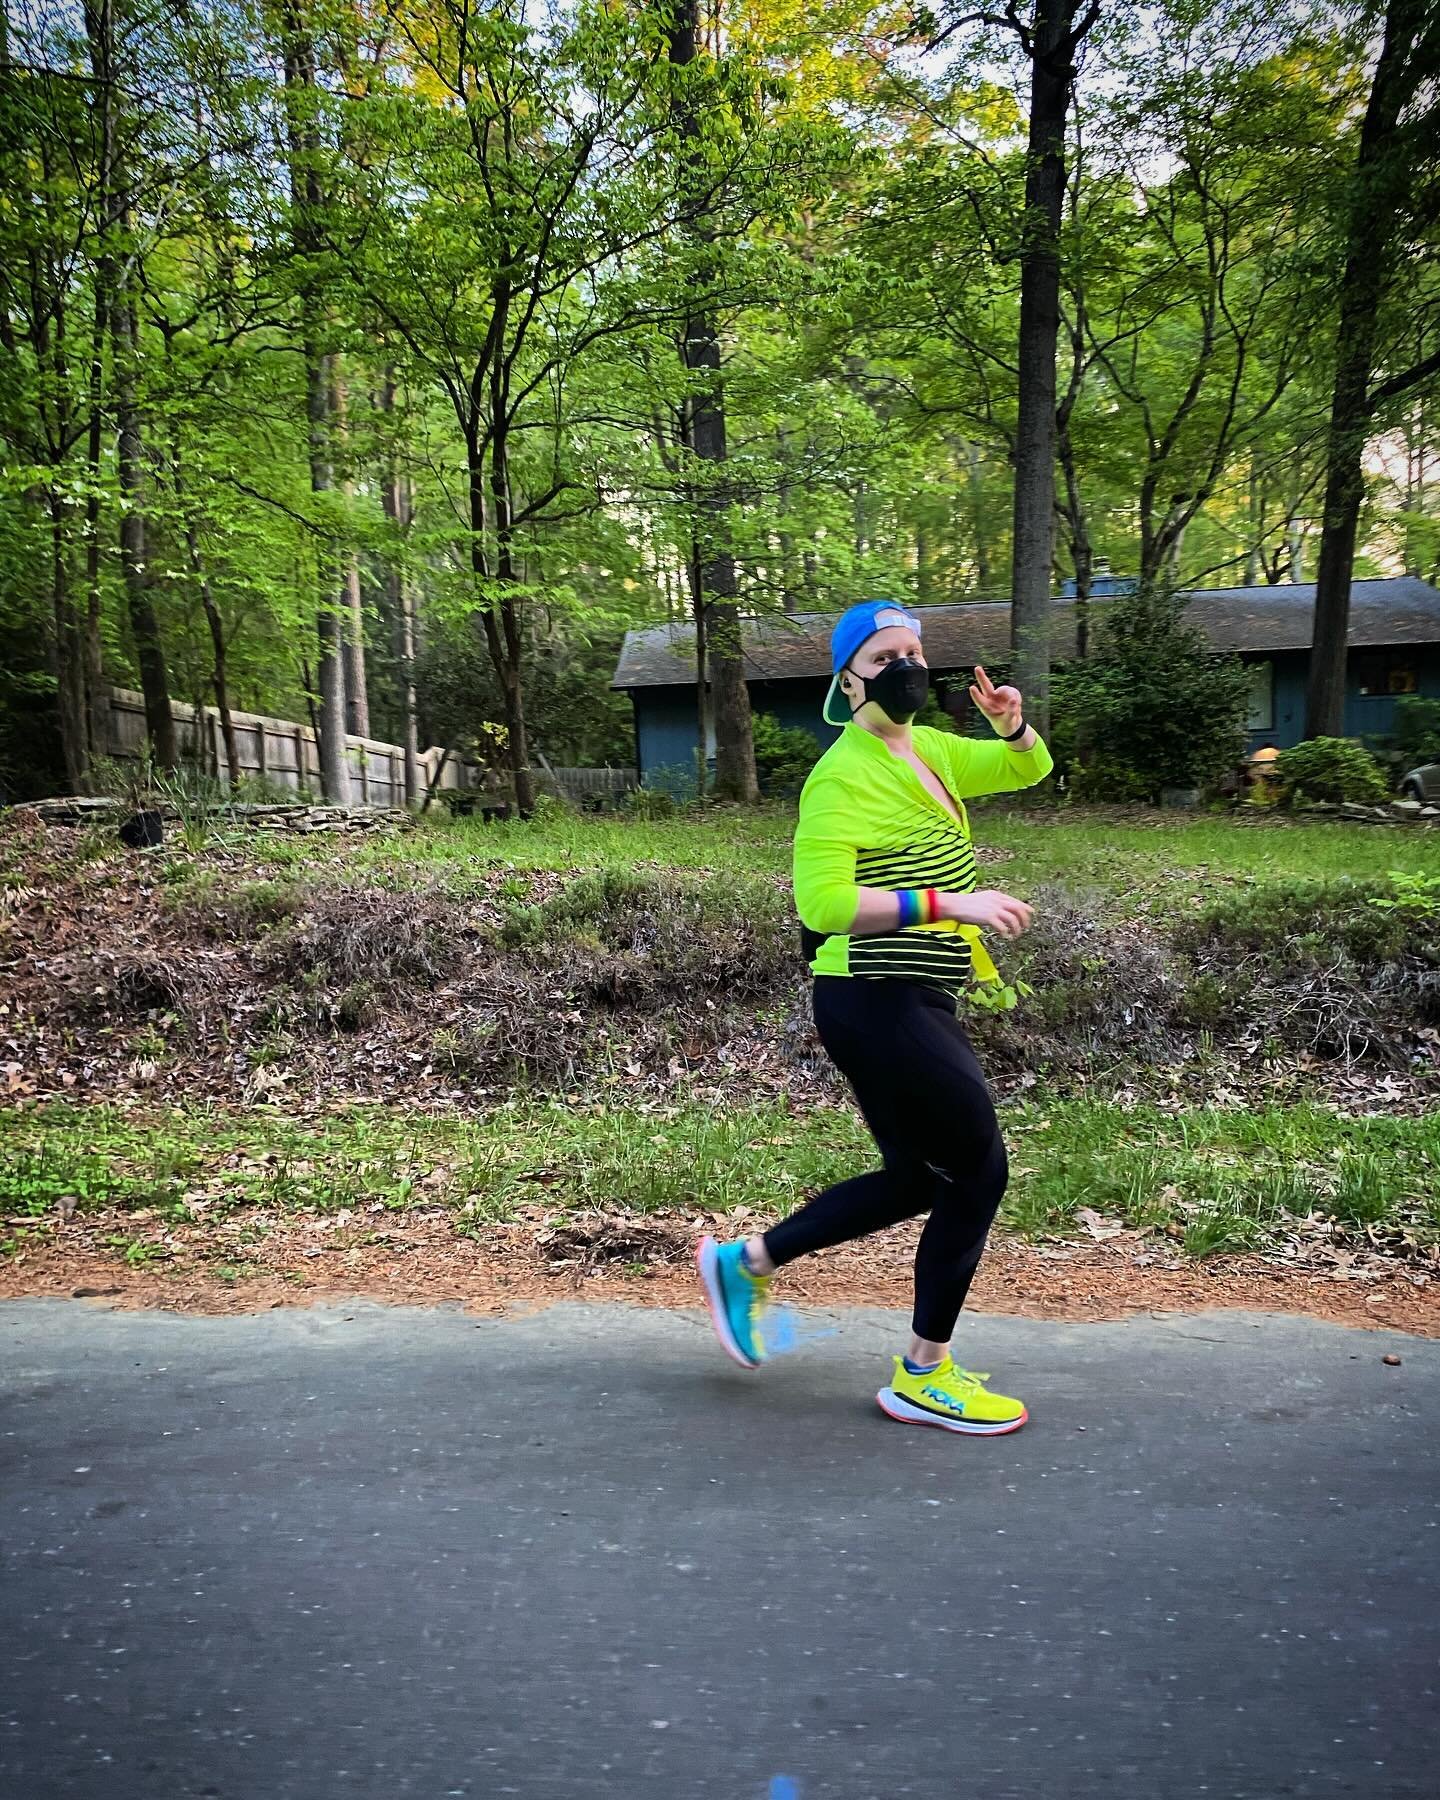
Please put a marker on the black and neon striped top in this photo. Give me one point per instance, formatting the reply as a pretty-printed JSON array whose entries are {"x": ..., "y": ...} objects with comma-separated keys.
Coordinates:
[{"x": 867, "y": 820}]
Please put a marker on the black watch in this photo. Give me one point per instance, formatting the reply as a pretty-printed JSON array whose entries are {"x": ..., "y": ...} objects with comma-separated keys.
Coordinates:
[{"x": 1010, "y": 739}]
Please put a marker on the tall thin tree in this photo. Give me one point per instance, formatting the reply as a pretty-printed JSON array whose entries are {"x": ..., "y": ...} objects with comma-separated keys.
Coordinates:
[
  {"x": 720, "y": 649},
  {"x": 1393, "y": 178},
  {"x": 306, "y": 197}
]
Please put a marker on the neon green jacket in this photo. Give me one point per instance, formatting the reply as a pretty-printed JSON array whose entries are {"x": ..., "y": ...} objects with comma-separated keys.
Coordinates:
[{"x": 867, "y": 820}]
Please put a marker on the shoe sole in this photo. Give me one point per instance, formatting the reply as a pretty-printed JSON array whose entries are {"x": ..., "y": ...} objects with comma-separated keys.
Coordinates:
[
  {"x": 896, "y": 1407},
  {"x": 707, "y": 1264}
]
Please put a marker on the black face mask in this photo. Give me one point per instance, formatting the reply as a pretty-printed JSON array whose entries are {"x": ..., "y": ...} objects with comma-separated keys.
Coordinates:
[{"x": 899, "y": 689}]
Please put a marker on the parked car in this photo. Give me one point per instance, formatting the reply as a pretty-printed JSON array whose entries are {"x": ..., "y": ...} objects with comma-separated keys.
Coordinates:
[{"x": 1422, "y": 784}]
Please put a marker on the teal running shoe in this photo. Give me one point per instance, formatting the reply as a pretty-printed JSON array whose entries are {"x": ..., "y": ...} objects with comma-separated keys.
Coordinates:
[{"x": 736, "y": 1298}]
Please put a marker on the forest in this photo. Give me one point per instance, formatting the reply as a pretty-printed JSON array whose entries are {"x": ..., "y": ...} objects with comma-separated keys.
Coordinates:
[{"x": 378, "y": 364}]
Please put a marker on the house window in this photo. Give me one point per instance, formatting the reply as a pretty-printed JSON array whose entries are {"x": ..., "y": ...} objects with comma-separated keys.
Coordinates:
[
  {"x": 1382, "y": 672},
  {"x": 1261, "y": 716}
]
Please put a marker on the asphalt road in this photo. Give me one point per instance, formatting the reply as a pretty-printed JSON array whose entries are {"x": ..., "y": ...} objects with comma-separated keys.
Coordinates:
[{"x": 357, "y": 1554}]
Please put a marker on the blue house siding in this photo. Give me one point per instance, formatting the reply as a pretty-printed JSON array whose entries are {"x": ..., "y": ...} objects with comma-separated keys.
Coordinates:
[
  {"x": 1368, "y": 716},
  {"x": 1285, "y": 721},
  {"x": 1373, "y": 715},
  {"x": 796, "y": 705},
  {"x": 666, "y": 729},
  {"x": 666, "y": 734},
  {"x": 665, "y": 737}
]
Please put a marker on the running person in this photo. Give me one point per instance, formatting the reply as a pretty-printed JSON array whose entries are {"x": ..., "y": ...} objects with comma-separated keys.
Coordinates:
[{"x": 885, "y": 886}]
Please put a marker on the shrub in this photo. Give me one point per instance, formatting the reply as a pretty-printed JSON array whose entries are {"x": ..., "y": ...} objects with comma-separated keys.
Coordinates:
[
  {"x": 626, "y": 939},
  {"x": 784, "y": 755},
  {"x": 1109, "y": 778},
  {"x": 254, "y": 789},
  {"x": 649, "y": 803},
  {"x": 349, "y": 935},
  {"x": 1333, "y": 770},
  {"x": 1417, "y": 729},
  {"x": 549, "y": 807},
  {"x": 1154, "y": 705},
  {"x": 1304, "y": 925}
]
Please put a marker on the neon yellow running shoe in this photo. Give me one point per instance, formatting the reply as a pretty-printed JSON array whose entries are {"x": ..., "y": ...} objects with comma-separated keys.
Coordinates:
[{"x": 952, "y": 1398}]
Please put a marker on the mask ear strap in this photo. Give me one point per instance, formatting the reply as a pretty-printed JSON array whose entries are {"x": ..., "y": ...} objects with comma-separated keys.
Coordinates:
[{"x": 837, "y": 693}]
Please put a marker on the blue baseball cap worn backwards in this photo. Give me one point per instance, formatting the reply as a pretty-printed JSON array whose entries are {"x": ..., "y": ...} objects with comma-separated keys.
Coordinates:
[{"x": 855, "y": 627}]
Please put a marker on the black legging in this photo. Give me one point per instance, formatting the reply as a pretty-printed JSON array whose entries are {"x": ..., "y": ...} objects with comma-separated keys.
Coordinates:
[{"x": 923, "y": 1094}]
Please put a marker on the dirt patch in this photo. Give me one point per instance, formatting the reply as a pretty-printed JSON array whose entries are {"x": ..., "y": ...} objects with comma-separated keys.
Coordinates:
[
  {"x": 420, "y": 1259},
  {"x": 221, "y": 976}
]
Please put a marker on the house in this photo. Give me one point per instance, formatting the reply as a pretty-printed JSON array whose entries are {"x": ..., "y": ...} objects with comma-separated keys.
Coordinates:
[{"x": 1394, "y": 649}]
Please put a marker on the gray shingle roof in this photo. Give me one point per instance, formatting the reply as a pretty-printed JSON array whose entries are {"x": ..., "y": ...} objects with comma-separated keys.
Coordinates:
[{"x": 1397, "y": 610}]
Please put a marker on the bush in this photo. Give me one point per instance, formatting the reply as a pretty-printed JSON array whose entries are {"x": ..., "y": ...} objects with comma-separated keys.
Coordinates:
[
  {"x": 784, "y": 755},
  {"x": 265, "y": 790},
  {"x": 1417, "y": 729},
  {"x": 649, "y": 803},
  {"x": 1153, "y": 706},
  {"x": 1332, "y": 769},
  {"x": 1109, "y": 778},
  {"x": 1304, "y": 925},
  {"x": 625, "y": 939},
  {"x": 550, "y": 807}
]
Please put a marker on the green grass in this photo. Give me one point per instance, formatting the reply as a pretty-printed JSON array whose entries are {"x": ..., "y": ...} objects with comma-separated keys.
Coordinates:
[
  {"x": 1227, "y": 1179},
  {"x": 1154, "y": 867},
  {"x": 1220, "y": 1179},
  {"x": 1172, "y": 860},
  {"x": 726, "y": 838},
  {"x": 1177, "y": 859}
]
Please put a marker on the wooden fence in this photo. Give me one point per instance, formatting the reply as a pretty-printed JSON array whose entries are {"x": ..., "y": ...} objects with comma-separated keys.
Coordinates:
[
  {"x": 282, "y": 752},
  {"x": 287, "y": 755},
  {"x": 593, "y": 786}
]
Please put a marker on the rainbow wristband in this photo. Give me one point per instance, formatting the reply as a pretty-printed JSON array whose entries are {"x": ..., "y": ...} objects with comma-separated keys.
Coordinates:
[{"x": 918, "y": 906}]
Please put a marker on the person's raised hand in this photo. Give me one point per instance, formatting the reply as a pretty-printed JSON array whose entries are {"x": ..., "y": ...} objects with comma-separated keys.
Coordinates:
[{"x": 1002, "y": 706}]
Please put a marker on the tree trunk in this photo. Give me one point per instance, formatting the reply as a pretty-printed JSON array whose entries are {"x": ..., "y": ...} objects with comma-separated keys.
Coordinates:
[
  {"x": 1077, "y": 526},
  {"x": 66, "y": 665},
  {"x": 1369, "y": 267},
  {"x": 499, "y": 618},
  {"x": 984, "y": 573},
  {"x": 357, "y": 700},
  {"x": 1051, "y": 75},
  {"x": 115, "y": 313},
  {"x": 130, "y": 467},
  {"x": 702, "y": 670},
  {"x": 924, "y": 575},
  {"x": 735, "y": 777},
  {"x": 303, "y": 147},
  {"x": 218, "y": 676},
  {"x": 99, "y": 32},
  {"x": 396, "y": 501},
  {"x": 1294, "y": 523},
  {"x": 789, "y": 574},
  {"x": 329, "y": 631},
  {"x": 97, "y": 729},
  {"x": 509, "y": 620},
  {"x": 1256, "y": 527}
]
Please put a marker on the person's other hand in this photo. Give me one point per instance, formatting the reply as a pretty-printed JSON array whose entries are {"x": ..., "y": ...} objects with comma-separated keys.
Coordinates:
[
  {"x": 1002, "y": 706},
  {"x": 989, "y": 909}
]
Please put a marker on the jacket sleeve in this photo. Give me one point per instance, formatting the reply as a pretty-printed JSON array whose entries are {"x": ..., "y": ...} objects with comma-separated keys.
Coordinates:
[
  {"x": 827, "y": 895},
  {"x": 979, "y": 767}
]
